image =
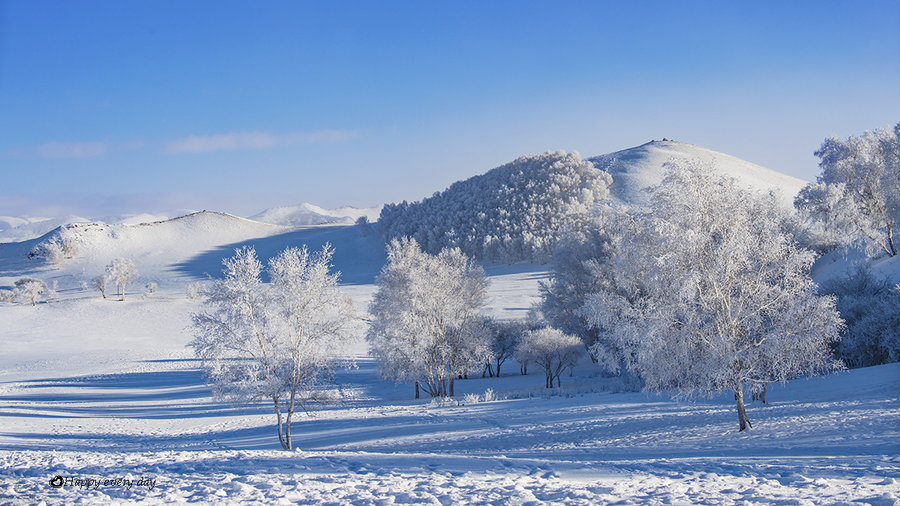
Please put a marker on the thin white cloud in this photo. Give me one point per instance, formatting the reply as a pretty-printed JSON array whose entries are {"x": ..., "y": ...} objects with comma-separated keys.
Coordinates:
[
  {"x": 55, "y": 149},
  {"x": 251, "y": 140}
]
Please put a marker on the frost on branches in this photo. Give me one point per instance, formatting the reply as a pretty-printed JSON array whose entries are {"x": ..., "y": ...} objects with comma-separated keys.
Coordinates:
[
  {"x": 856, "y": 199},
  {"x": 552, "y": 350},
  {"x": 870, "y": 306},
  {"x": 123, "y": 272},
  {"x": 509, "y": 214},
  {"x": 711, "y": 293},
  {"x": 426, "y": 324},
  {"x": 578, "y": 264},
  {"x": 278, "y": 342}
]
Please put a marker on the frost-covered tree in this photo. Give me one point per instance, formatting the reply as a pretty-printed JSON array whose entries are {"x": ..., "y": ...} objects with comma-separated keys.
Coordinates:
[
  {"x": 56, "y": 248},
  {"x": 505, "y": 337},
  {"x": 30, "y": 289},
  {"x": 363, "y": 225},
  {"x": 552, "y": 350},
  {"x": 100, "y": 283},
  {"x": 578, "y": 264},
  {"x": 512, "y": 213},
  {"x": 279, "y": 342},
  {"x": 123, "y": 272},
  {"x": 857, "y": 196},
  {"x": 7, "y": 295},
  {"x": 870, "y": 306},
  {"x": 426, "y": 325},
  {"x": 711, "y": 292}
]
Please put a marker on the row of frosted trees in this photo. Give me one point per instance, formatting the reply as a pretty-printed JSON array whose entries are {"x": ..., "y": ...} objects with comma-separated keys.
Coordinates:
[{"x": 705, "y": 290}]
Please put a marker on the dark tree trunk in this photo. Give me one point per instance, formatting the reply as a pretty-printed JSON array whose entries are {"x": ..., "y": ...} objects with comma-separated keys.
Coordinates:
[
  {"x": 890, "y": 238},
  {"x": 417, "y": 390},
  {"x": 743, "y": 421}
]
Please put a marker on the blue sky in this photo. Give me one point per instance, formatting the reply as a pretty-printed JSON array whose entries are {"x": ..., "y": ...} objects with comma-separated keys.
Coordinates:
[{"x": 119, "y": 107}]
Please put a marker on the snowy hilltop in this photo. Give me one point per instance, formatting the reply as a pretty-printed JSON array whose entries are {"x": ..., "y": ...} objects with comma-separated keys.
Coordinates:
[
  {"x": 519, "y": 211},
  {"x": 635, "y": 169}
]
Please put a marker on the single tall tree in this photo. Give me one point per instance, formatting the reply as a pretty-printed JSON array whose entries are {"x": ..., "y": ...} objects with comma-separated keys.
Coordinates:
[
  {"x": 279, "y": 341},
  {"x": 711, "y": 292}
]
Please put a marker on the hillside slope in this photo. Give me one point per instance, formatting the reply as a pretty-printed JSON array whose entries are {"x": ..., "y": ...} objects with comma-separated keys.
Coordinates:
[
  {"x": 311, "y": 214},
  {"x": 637, "y": 168}
]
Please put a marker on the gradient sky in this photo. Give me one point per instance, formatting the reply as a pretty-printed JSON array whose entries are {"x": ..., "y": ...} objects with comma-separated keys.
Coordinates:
[{"x": 113, "y": 107}]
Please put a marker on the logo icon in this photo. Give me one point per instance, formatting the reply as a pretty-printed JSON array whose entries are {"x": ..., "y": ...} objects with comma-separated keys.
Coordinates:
[{"x": 57, "y": 481}]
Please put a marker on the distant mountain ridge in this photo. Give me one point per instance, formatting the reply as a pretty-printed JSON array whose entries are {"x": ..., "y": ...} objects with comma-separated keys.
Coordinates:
[{"x": 306, "y": 214}]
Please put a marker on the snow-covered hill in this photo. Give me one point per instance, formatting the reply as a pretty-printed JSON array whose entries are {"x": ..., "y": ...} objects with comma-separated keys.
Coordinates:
[
  {"x": 23, "y": 228},
  {"x": 637, "y": 168},
  {"x": 310, "y": 214},
  {"x": 154, "y": 247},
  {"x": 181, "y": 250},
  {"x": 18, "y": 229}
]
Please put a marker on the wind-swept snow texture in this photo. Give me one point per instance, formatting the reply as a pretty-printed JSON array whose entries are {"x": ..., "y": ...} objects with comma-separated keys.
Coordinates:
[{"x": 641, "y": 167}]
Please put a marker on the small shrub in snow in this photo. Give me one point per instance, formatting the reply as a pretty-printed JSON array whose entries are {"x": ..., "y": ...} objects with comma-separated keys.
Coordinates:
[
  {"x": 195, "y": 290},
  {"x": 443, "y": 402},
  {"x": 470, "y": 399},
  {"x": 150, "y": 288},
  {"x": 489, "y": 395},
  {"x": 7, "y": 296}
]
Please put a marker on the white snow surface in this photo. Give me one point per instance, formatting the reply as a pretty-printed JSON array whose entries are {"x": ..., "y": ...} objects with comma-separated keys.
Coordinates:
[
  {"x": 99, "y": 389},
  {"x": 102, "y": 389},
  {"x": 311, "y": 214},
  {"x": 640, "y": 167}
]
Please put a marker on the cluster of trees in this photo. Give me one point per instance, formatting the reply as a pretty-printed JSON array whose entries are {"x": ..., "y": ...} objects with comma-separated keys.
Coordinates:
[
  {"x": 855, "y": 203},
  {"x": 856, "y": 199},
  {"x": 512, "y": 213},
  {"x": 121, "y": 272},
  {"x": 62, "y": 244},
  {"x": 427, "y": 326},
  {"x": 870, "y": 307},
  {"x": 706, "y": 290},
  {"x": 28, "y": 290}
]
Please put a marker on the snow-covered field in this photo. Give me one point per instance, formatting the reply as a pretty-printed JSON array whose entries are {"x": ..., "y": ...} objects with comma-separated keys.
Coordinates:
[
  {"x": 97, "y": 389},
  {"x": 104, "y": 398}
]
